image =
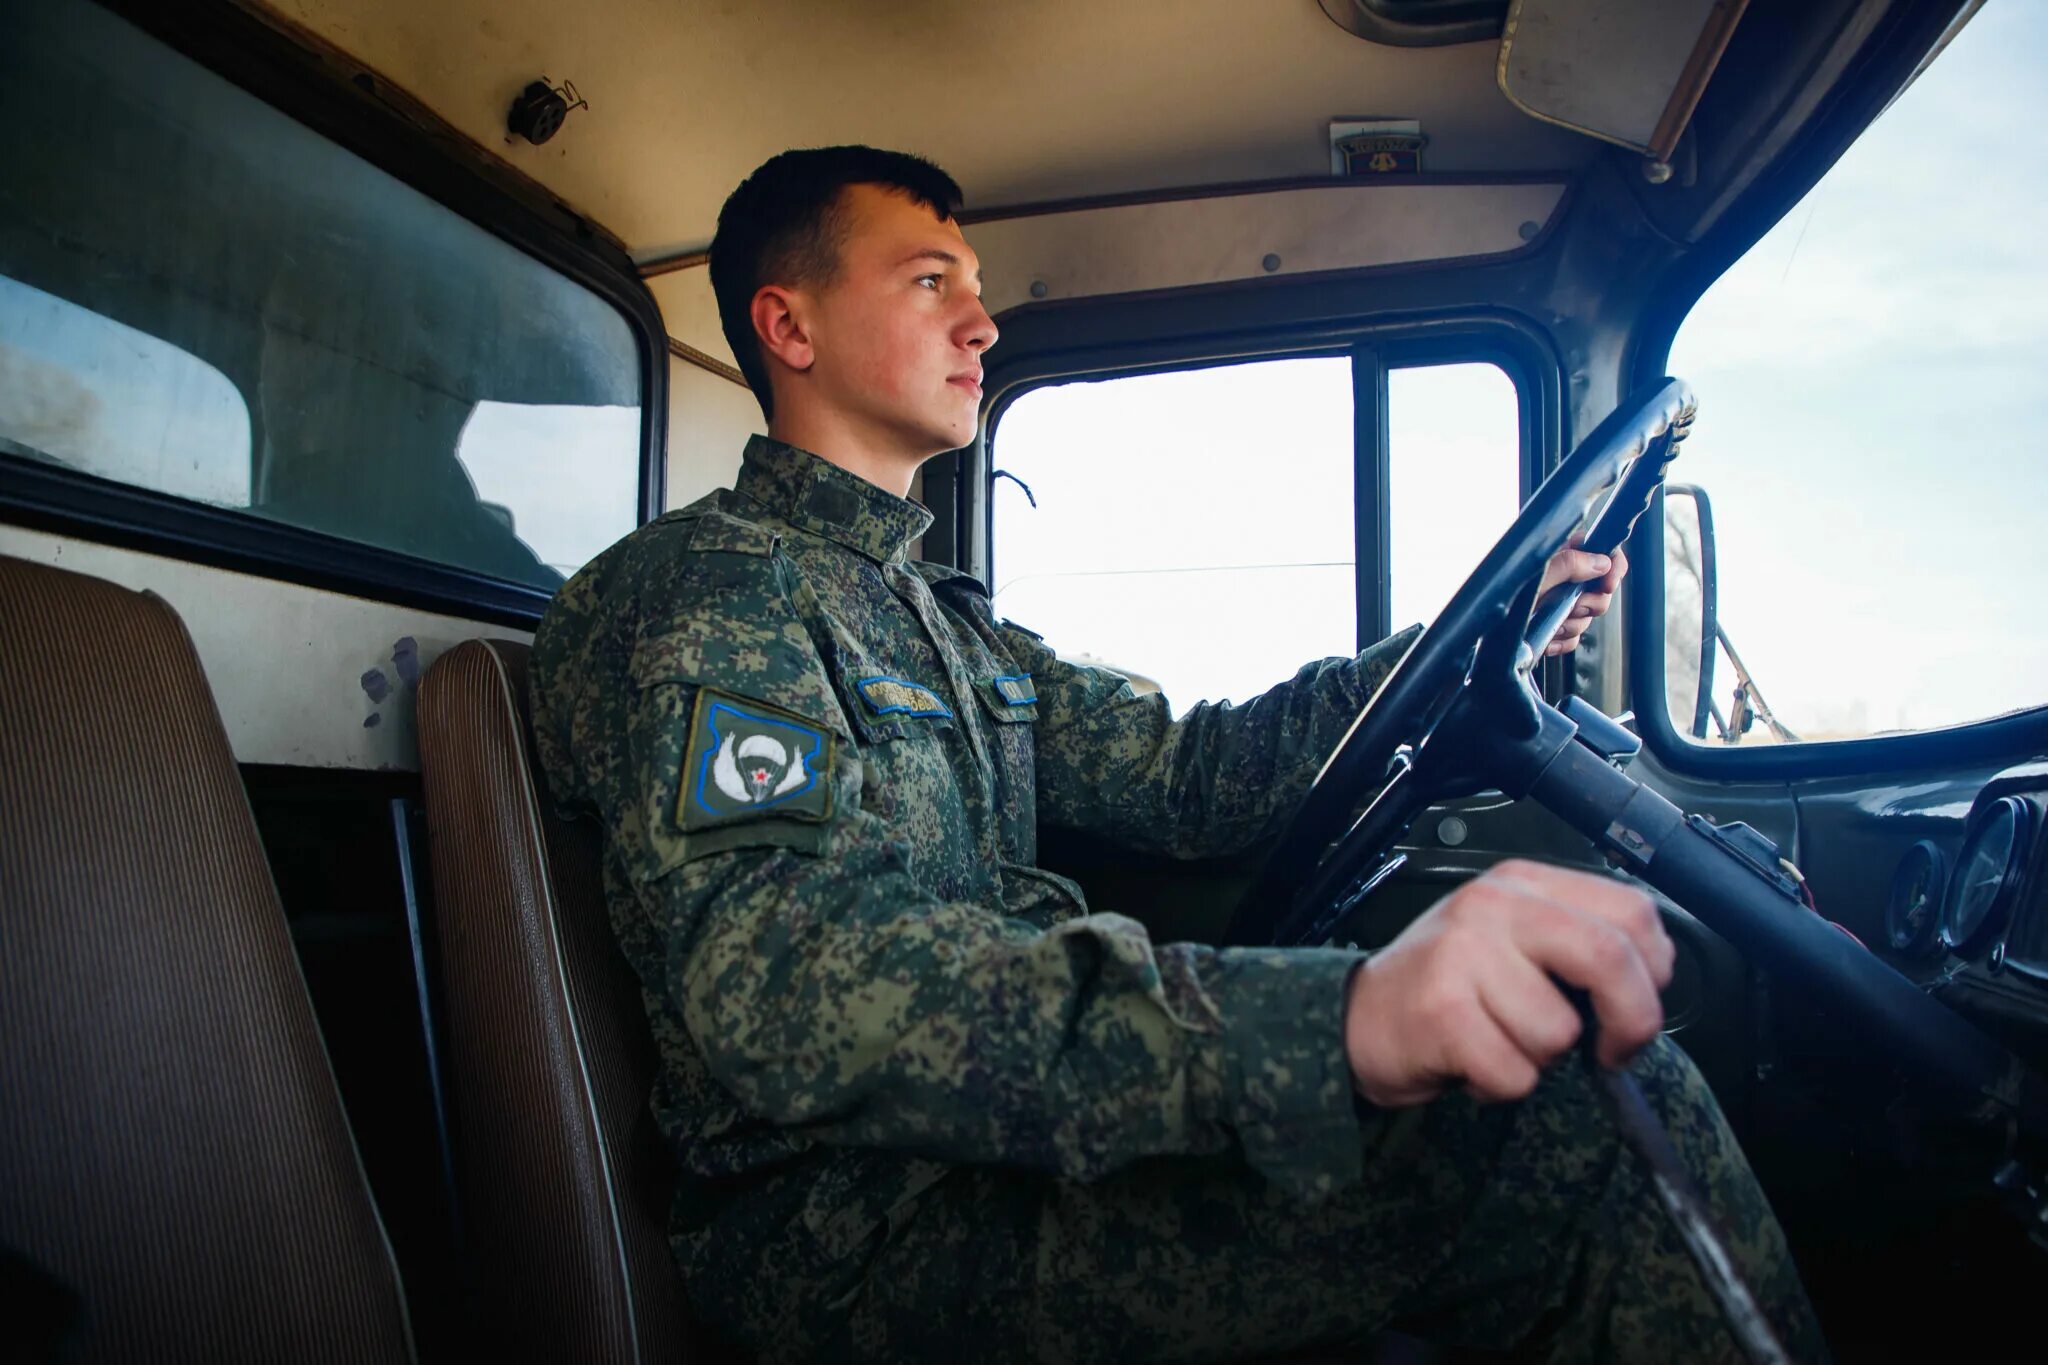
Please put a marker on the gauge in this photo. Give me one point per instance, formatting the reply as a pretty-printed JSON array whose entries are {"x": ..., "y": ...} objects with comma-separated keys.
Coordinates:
[
  {"x": 1987, "y": 876},
  {"x": 1913, "y": 914}
]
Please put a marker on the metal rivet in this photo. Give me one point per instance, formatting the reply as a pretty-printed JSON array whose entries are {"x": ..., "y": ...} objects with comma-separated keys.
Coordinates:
[
  {"x": 1656, "y": 172},
  {"x": 1452, "y": 831},
  {"x": 1039, "y": 289},
  {"x": 1529, "y": 229},
  {"x": 1271, "y": 262}
]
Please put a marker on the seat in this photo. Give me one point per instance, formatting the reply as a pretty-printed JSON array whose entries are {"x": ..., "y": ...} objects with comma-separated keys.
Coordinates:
[
  {"x": 174, "y": 1158},
  {"x": 562, "y": 1178}
]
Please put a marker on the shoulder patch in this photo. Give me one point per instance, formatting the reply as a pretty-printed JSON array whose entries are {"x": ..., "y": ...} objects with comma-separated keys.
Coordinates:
[{"x": 746, "y": 760}]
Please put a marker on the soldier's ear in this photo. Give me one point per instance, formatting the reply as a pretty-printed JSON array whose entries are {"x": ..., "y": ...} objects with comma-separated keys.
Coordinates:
[{"x": 780, "y": 324}]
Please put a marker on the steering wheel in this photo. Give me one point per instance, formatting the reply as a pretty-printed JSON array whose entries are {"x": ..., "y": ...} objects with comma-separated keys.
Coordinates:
[{"x": 1461, "y": 713}]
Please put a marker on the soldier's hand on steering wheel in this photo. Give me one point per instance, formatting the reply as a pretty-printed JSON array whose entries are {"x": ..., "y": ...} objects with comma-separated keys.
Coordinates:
[{"x": 1573, "y": 565}]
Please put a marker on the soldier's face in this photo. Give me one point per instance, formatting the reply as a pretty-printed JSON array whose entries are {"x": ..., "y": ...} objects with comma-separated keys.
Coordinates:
[{"x": 899, "y": 331}]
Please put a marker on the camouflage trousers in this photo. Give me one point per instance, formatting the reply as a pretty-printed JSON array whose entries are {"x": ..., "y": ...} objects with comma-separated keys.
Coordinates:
[{"x": 1527, "y": 1229}]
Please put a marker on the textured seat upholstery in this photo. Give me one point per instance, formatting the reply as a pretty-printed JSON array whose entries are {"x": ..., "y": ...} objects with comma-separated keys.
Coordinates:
[
  {"x": 563, "y": 1179},
  {"x": 172, "y": 1146}
]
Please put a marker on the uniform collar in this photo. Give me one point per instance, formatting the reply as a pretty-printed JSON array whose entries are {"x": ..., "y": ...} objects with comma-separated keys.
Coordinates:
[{"x": 820, "y": 497}]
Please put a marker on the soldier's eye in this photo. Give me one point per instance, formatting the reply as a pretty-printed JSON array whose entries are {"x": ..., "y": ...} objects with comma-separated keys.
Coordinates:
[{"x": 930, "y": 282}]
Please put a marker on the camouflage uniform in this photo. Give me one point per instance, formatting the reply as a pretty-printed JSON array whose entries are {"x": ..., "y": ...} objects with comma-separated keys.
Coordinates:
[{"x": 921, "y": 1097}]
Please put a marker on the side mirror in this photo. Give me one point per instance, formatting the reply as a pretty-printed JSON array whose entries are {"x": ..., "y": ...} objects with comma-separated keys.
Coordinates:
[{"x": 1691, "y": 610}]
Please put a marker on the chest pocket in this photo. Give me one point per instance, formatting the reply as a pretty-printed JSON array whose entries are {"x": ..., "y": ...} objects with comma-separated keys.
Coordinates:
[
  {"x": 1011, "y": 702},
  {"x": 902, "y": 722}
]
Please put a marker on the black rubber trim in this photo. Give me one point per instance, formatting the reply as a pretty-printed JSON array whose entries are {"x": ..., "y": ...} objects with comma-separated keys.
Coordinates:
[
  {"x": 64, "y": 501},
  {"x": 1419, "y": 23},
  {"x": 267, "y": 63},
  {"x": 1878, "y": 73}
]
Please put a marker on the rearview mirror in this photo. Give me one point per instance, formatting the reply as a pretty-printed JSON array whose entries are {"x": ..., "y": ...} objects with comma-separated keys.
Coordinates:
[{"x": 1691, "y": 609}]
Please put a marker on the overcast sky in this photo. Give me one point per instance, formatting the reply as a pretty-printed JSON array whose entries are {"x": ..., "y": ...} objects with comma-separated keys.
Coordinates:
[{"x": 1868, "y": 376}]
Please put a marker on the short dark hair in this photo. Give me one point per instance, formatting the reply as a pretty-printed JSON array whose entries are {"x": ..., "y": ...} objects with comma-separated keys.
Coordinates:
[{"x": 786, "y": 223}]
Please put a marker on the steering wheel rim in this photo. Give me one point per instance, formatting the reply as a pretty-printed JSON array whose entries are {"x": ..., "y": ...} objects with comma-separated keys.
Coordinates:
[{"x": 1494, "y": 612}]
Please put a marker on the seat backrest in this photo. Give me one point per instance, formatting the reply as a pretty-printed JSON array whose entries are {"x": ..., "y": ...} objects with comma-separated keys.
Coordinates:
[
  {"x": 172, "y": 1145},
  {"x": 563, "y": 1179}
]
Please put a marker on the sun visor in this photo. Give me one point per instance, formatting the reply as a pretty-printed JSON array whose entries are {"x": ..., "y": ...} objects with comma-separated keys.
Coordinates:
[{"x": 1624, "y": 71}]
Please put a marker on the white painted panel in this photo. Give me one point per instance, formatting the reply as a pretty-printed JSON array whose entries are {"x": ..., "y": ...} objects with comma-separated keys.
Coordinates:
[
  {"x": 690, "y": 310},
  {"x": 709, "y": 421},
  {"x": 287, "y": 663}
]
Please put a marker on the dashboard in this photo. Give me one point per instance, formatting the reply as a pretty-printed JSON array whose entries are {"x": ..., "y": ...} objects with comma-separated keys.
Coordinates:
[{"x": 1974, "y": 915}]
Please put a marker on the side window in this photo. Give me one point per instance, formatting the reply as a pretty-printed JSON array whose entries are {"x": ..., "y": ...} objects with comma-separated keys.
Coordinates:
[
  {"x": 203, "y": 298},
  {"x": 1200, "y": 529},
  {"x": 1870, "y": 375},
  {"x": 1453, "y": 478},
  {"x": 1194, "y": 528}
]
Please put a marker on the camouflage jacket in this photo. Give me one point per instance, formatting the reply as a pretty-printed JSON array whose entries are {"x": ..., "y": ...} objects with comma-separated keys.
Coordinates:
[{"x": 821, "y": 768}]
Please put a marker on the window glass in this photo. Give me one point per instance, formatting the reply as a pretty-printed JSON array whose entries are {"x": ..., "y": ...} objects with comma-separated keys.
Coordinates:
[
  {"x": 1195, "y": 528},
  {"x": 556, "y": 471},
  {"x": 200, "y": 297},
  {"x": 1454, "y": 440},
  {"x": 1870, "y": 376},
  {"x": 83, "y": 391}
]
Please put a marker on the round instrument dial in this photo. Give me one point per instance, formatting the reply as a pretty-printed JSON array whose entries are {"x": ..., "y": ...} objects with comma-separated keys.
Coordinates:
[
  {"x": 1987, "y": 877},
  {"x": 1912, "y": 917}
]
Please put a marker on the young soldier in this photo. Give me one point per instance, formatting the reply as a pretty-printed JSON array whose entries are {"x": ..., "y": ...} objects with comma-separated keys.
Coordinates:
[{"x": 925, "y": 1101}]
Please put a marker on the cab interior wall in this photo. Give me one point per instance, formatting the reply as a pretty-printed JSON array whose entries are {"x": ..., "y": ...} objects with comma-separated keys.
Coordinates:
[
  {"x": 710, "y": 418},
  {"x": 1591, "y": 304}
]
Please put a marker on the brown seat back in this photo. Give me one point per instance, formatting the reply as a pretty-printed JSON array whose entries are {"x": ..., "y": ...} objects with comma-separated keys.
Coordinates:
[
  {"x": 563, "y": 1179},
  {"x": 172, "y": 1145}
]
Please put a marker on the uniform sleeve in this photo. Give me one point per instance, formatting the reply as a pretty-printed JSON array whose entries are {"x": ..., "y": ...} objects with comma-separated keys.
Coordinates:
[
  {"x": 839, "y": 1000},
  {"x": 1216, "y": 781},
  {"x": 836, "y": 1000}
]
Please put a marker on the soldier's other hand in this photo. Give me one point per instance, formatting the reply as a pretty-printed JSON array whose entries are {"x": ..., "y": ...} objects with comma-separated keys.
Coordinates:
[
  {"x": 1466, "y": 994},
  {"x": 1573, "y": 565}
]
